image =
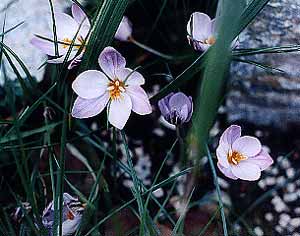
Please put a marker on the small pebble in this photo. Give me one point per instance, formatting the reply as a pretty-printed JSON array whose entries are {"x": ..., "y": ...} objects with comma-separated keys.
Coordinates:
[
  {"x": 258, "y": 231},
  {"x": 269, "y": 216},
  {"x": 285, "y": 164},
  {"x": 159, "y": 132},
  {"x": 262, "y": 184},
  {"x": 270, "y": 181},
  {"x": 278, "y": 228},
  {"x": 290, "y": 197},
  {"x": 290, "y": 172},
  {"x": 280, "y": 180},
  {"x": 158, "y": 193},
  {"x": 295, "y": 222},
  {"x": 223, "y": 183},
  {"x": 297, "y": 210},
  {"x": 291, "y": 187}
]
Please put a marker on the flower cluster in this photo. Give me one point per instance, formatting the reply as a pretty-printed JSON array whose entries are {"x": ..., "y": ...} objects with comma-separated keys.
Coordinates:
[{"x": 119, "y": 88}]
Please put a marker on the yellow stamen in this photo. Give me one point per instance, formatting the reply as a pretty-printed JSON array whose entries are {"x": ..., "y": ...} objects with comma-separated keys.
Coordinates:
[
  {"x": 115, "y": 89},
  {"x": 235, "y": 157},
  {"x": 68, "y": 42},
  {"x": 211, "y": 40}
]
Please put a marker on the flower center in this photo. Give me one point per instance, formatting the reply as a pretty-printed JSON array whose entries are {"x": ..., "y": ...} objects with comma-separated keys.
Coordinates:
[
  {"x": 68, "y": 42},
  {"x": 235, "y": 157},
  {"x": 115, "y": 89},
  {"x": 211, "y": 40}
]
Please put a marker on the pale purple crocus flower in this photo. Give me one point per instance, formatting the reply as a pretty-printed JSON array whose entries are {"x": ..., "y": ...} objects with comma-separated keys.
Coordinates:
[
  {"x": 118, "y": 88},
  {"x": 176, "y": 108},
  {"x": 71, "y": 215},
  {"x": 241, "y": 157},
  {"x": 67, "y": 28},
  {"x": 201, "y": 31},
  {"x": 124, "y": 32}
]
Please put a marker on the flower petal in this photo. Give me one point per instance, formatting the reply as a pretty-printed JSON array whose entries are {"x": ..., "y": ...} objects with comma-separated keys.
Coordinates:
[
  {"x": 246, "y": 170},
  {"x": 177, "y": 102},
  {"x": 222, "y": 152},
  {"x": 190, "y": 109},
  {"x": 90, "y": 84},
  {"x": 198, "y": 46},
  {"x": 85, "y": 108},
  {"x": 135, "y": 77},
  {"x": 79, "y": 15},
  {"x": 76, "y": 61},
  {"x": 163, "y": 105},
  {"x": 231, "y": 134},
  {"x": 66, "y": 26},
  {"x": 46, "y": 46},
  {"x": 125, "y": 30},
  {"x": 226, "y": 171},
  {"x": 139, "y": 99},
  {"x": 119, "y": 111},
  {"x": 246, "y": 145},
  {"x": 199, "y": 26},
  {"x": 263, "y": 160},
  {"x": 110, "y": 60}
]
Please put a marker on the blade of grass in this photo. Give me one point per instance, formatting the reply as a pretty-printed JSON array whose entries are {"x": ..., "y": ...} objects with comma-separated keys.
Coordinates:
[
  {"x": 180, "y": 221},
  {"x": 215, "y": 177}
]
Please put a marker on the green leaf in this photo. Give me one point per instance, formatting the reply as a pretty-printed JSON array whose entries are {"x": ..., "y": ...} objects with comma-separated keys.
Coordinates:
[{"x": 106, "y": 23}]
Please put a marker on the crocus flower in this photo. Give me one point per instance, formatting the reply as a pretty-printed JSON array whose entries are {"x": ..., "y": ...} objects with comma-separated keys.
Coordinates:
[
  {"x": 125, "y": 30},
  {"x": 176, "y": 108},
  {"x": 72, "y": 215},
  {"x": 67, "y": 28},
  {"x": 201, "y": 31},
  {"x": 118, "y": 88},
  {"x": 241, "y": 157}
]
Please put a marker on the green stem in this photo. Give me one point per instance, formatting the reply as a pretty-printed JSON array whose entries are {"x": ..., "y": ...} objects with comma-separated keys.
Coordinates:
[{"x": 218, "y": 190}]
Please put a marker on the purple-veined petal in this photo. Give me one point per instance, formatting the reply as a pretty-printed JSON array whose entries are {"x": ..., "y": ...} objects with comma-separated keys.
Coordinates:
[
  {"x": 46, "y": 46},
  {"x": 222, "y": 153},
  {"x": 139, "y": 99},
  {"x": 76, "y": 61},
  {"x": 70, "y": 226},
  {"x": 246, "y": 145},
  {"x": 191, "y": 108},
  {"x": 231, "y": 134},
  {"x": 85, "y": 108},
  {"x": 125, "y": 30},
  {"x": 198, "y": 46},
  {"x": 66, "y": 26},
  {"x": 90, "y": 84},
  {"x": 132, "y": 77},
  {"x": 79, "y": 15},
  {"x": 184, "y": 113},
  {"x": 119, "y": 111},
  {"x": 263, "y": 160},
  {"x": 110, "y": 60},
  {"x": 177, "y": 102},
  {"x": 199, "y": 26},
  {"x": 226, "y": 171},
  {"x": 163, "y": 105},
  {"x": 246, "y": 170}
]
